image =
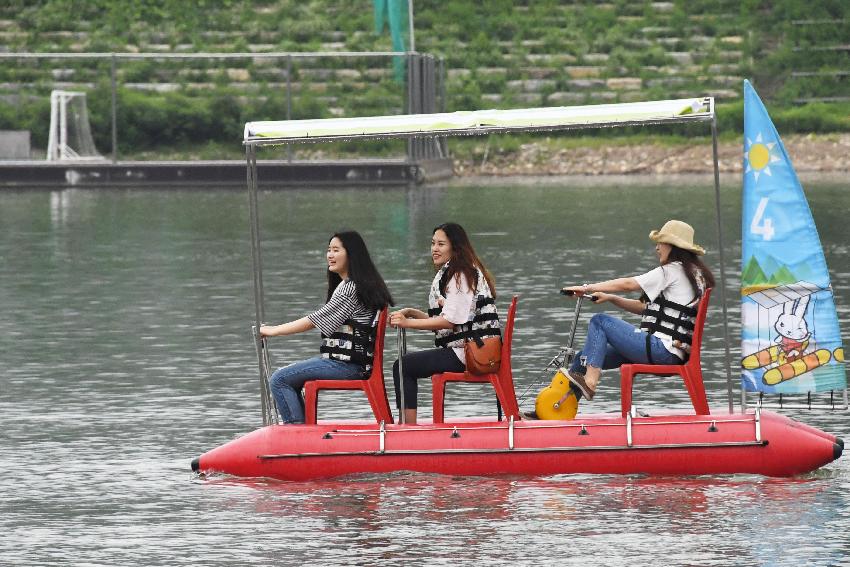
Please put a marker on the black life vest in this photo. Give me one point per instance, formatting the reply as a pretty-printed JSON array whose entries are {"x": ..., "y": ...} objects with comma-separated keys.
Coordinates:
[
  {"x": 353, "y": 342},
  {"x": 484, "y": 319},
  {"x": 677, "y": 324}
]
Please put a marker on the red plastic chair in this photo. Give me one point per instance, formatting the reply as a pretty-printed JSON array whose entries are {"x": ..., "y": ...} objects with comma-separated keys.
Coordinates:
[
  {"x": 691, "y": 371},
  {"x": 502, "y": 381},
  {"x": 373, "y": 386}
]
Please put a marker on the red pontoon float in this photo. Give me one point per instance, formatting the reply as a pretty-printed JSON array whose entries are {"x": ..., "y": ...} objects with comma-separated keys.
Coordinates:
[
  {"x": 758, "y": 442},
  {"x": 750, "y": 441}
]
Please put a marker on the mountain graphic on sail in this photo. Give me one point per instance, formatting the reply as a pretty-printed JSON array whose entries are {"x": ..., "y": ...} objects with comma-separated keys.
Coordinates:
[{"x": 790, "y": 339}]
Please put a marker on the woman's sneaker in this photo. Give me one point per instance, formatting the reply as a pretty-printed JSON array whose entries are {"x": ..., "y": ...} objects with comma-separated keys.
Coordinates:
[{"x": 578, "y": 381}]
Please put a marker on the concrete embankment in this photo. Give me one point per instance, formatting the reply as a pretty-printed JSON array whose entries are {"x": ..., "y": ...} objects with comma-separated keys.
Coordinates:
[
  {"x": 101, "y": 173},
  {"x": 812, "y": 154},
  {"x": 808, "y": 153}
]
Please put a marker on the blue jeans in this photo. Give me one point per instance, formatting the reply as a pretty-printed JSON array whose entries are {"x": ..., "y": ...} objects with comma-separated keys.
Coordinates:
[
  {"x": 612, "y": 342},
  {"x": 286, "y": 383}
]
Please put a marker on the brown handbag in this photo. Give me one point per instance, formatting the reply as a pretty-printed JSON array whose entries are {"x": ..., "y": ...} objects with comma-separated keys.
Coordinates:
[{"x": 483, "y": 356}]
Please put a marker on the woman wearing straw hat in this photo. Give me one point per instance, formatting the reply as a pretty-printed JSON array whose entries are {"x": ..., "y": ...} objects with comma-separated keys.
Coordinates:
[{"x": 669, "y": 295}]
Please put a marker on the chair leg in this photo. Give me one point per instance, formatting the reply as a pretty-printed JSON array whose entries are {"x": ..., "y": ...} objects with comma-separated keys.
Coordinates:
[
  {"x": 439, "y": 394},
  {"x": 311, "y": 402},
  {"x": 508, "y": 405},
  {"x": 380, "y": 406},
  {"x": 696, "y": 391},
  {"x": 626, "y": 380}
]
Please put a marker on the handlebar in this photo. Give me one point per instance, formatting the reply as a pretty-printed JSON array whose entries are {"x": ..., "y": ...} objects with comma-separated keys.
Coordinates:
[{"x": 571, "y": 293}]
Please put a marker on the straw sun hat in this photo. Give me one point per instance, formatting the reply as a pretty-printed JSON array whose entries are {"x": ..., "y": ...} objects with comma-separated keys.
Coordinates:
[{"x": 679, "y": 234}]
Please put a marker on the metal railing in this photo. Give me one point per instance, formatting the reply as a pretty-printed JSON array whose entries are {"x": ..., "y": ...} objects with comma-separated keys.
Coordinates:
[
  {"x": 822, "y": 45},
  {"x": 425, "y": 90}
]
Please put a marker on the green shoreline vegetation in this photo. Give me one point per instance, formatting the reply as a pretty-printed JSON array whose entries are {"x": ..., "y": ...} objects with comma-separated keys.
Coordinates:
[
  {"x": 213, "y": 120},
  {"x": 511, "y": 55}
]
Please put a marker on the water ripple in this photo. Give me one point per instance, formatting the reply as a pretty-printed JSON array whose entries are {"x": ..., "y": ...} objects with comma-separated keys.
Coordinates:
[{"x": 125, "y": 334}]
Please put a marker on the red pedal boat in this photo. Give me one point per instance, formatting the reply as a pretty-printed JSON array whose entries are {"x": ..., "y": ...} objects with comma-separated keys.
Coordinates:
[{"x": 750, "y": 441}]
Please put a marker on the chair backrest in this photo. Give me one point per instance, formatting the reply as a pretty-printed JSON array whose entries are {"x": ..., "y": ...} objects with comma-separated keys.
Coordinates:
[
  {"x": 699, "y": 324},
  {"x": 378, "y": 359},
  {"x": 507, "y": 337}
]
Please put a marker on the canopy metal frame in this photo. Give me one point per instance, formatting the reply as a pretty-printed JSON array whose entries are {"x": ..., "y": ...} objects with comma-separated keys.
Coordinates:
[{"x": 253, "y": 143}]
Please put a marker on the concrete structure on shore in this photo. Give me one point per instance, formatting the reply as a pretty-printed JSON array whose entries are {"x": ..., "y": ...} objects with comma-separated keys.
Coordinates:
[
  {"x": 14, "y": 144},
  {"x": 105, "y": 174}
]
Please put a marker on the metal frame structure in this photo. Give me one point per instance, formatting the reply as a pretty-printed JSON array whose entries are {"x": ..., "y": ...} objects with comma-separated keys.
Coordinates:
[
  {"x": 705, "y": 113},
  {"x": 57, "y": 138},
  {"x": 834, "y": 404},
  {"x": 481, "y": 128},
  {"x": 424, "y": 72}
]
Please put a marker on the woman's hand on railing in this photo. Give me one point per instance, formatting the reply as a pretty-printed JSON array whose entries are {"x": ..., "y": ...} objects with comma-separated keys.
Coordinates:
[
  {"x": 399, "y": 318},
  {"x": 266, "y": 331}
]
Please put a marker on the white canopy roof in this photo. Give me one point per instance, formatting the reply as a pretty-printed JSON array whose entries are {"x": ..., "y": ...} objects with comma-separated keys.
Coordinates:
[{"x": 479, "y": 121}]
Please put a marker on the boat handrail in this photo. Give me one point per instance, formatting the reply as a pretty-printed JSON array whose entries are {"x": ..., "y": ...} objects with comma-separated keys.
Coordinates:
[
  {"x": 392, "y": 452},
  {"x": 643, "y": 421}
]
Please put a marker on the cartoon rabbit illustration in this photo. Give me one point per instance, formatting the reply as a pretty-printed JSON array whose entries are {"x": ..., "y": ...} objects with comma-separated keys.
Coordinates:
[{"x": 793, "y": 330}]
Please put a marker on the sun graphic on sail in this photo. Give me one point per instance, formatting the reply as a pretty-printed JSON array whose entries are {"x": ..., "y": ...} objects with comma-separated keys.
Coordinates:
[{"x": 759, "y": 155}]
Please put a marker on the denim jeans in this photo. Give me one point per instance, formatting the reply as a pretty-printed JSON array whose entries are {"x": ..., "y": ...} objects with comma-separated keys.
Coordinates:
[
  {"x": 286, "y": 383},
  {"x": 612, "y": 342}
]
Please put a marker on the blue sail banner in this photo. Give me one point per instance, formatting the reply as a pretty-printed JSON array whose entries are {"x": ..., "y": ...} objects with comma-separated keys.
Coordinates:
[{"x": 790, "y": 340}]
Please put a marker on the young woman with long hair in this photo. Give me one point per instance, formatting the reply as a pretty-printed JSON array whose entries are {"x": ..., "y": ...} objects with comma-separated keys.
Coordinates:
[
  {"x": 669, "y": 296},
  {"x": 356, "y": 294},
  {"x": 460, "y": 307}
]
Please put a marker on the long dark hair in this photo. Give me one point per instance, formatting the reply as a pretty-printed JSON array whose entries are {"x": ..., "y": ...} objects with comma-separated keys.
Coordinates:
[
  {"x": 464, "y": 259},
  {"x": 692, "y": 265},
  {"x": 371, "y": 289}
]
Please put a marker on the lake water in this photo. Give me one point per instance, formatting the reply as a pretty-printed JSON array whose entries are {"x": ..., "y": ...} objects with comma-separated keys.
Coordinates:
[{"x": 125, "y": 352}]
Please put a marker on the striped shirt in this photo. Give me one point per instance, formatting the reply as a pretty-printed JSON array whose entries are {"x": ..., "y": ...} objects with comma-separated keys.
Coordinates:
[{"x": 342, "y": 306}]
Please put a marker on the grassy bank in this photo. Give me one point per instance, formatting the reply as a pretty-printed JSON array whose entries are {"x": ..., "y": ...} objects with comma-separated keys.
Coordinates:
[{"x": 503, "y": 55}]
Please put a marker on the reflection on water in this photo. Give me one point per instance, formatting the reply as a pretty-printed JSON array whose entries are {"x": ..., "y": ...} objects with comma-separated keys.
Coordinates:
[
  {"x": 125, "y": 353},
  {"x": 557, "y": 520}
]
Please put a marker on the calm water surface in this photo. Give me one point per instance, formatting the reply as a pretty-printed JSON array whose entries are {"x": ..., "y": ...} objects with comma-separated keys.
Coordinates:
[{"x": 125, "y": 353}]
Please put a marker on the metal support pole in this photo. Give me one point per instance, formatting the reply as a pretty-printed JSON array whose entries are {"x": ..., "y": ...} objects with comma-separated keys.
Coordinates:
[
  {"x": 417, "y": 104},
  {"x": 410, "y": 23},
  {"x": 442, "y": 85},
  {"x": 428, "y": 84},
  {"x": 424, "y": 149},
  {"x": 431, "y": 144},
  {"x": 114, "y": 79},
  {"x": 568, "y": 356},
  {"x": 63, "y": 126},
  {"x": 441, "y": 73},
  {"x": 410, "y": 101},
  {"x": 289, "y": 100},
  {"x": 728, "y": 360},
  {"x": 52, "y": 136},
  {"x": 267, "y": 409},
  {"x": 251, "y": 154},
  {"x": 401, "y": 343}
]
